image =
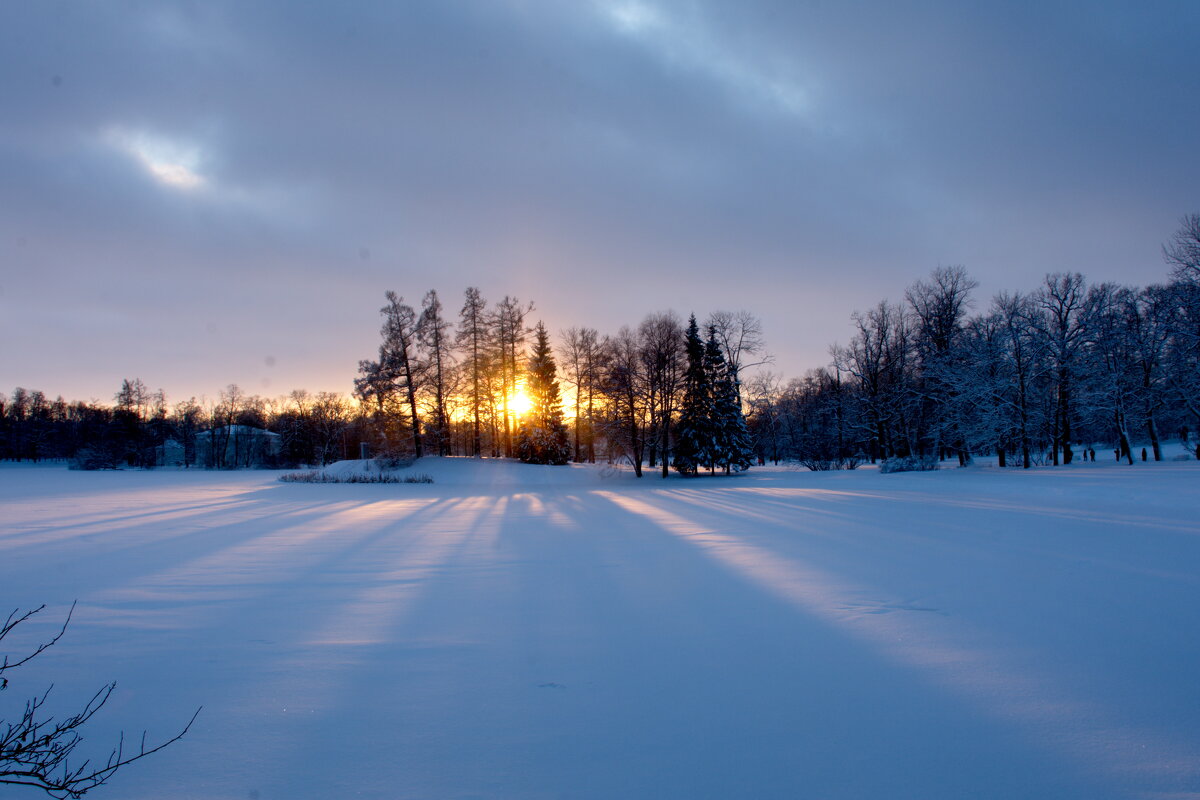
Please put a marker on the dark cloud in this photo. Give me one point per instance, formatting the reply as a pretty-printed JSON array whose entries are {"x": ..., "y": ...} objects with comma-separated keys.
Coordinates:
[{"x": 189, "y": 186}]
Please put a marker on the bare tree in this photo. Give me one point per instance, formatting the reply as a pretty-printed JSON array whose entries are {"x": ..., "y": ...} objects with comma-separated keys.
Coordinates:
[
  {"x": 1183, "y": 251},
  {"x": 329, "y": 418},
  {"x": 36, "y": 749},
  {"x": 876, "y": 362},
  {"x": 472, "y": 337},
  {"x": 741, "y": 338},
  {"x": 1064, "y": 328},
  {"x": 1183, "y": 321},
  {"x": 398, "y": 354},
  {"x": 399, "y": 372},
  {"x": 940, "y": 306},
  {"x": 580, "y": 354},
  {"x": 625, "y": 388},
  {"x": 433, "y": 334},
  {"x": 509, "y": 335},
  {"x": 661, "y": 345},
  {"x": 763, "y": 393},
  {"x": 1016, "y": 313}
]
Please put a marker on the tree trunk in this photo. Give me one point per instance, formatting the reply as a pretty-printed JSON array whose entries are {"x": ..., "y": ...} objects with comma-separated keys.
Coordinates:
[
  {"x": 1152, "y": 428},
  {"x": 1123, "y": 438}
]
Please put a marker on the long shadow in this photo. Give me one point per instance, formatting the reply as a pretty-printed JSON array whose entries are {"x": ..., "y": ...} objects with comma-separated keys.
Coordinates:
[
  {"x": 341, "y": 624},
  {"x": 615, "y": 658},
  {"x": 943, "y": 516},
  {"x": 258, "y": 569},
  {"x": 140, "y": 551},
  {"x": 949, "y": 656},
  {"x": 612, "y": 644}
]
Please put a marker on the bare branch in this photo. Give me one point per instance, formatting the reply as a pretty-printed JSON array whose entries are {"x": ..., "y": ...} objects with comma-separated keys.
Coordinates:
[{"x": 35, "y": 750}]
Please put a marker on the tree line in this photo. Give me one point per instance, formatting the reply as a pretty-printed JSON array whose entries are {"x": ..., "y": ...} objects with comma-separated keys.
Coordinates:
[
  {"x": 140, "y": 429},
  {"x": 1037, "y": 377},
  {"x": 1042, "y": 376}
]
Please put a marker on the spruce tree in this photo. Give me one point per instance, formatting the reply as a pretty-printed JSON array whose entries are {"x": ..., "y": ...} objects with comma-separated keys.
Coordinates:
[
  {"x": 715, "y": 372},
  {"x": 732, "y": 439},
  {"x": 542, "y": 438},
  {"x": 693, "y": 434}
]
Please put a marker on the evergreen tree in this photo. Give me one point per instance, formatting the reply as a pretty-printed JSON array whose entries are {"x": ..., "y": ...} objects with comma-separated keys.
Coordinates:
[
  {"x": 732, "y": 448},
  {"x": 694, "y": 434},
  {"x": 542, "y": 438}
]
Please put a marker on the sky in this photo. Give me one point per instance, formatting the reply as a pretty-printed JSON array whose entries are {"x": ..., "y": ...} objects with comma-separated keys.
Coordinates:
[{"x": 204, "y": 193}]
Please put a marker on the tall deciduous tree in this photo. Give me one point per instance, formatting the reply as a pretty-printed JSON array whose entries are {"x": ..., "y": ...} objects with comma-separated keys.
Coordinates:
[
  {"x": 1064, "y": 328},
  {"x": 624, "y": 388},
  {"x": 472, "y": 339},
  {"x": 397, "y": 375},
  {"x": 741, "y": 337},
  {"x": 583, "y": 361},
  {"x": 433, "y": 333},
  {"x": 509, "y": 334},
  {"x": 662, "y": 339}
]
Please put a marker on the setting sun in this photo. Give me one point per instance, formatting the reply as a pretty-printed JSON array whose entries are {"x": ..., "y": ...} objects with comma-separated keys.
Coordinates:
[{"x": 519, "y": 402}]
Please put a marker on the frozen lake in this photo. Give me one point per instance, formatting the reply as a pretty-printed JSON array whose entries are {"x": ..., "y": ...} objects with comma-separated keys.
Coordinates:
[{"x": 513, "y": 631}]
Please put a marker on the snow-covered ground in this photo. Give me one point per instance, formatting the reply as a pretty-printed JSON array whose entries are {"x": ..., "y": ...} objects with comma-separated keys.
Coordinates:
[{"x": 513, "y": 631}]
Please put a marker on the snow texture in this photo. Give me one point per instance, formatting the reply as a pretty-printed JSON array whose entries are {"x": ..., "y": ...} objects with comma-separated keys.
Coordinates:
[{"x": 519, "y": 631}]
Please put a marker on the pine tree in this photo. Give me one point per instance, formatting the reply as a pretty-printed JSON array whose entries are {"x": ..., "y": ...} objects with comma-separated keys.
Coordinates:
[
  {"x": 693, "y": 436},
  {"x": 542, "y": 438},
  {"x": 732, "y": 447}
]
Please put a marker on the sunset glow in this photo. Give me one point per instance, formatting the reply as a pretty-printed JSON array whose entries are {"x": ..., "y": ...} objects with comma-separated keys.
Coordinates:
[{"x": 519, "y": 402}]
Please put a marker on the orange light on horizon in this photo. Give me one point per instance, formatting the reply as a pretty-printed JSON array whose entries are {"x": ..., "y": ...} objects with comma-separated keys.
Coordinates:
[{"x": 519, "y": 402}]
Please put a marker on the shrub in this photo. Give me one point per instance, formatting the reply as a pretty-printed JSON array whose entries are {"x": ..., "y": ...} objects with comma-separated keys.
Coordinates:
[
  {"x": 89, "y": 458},
  {"x": 908, "y": 464},
  {"x": 316, "y": 476},
  {"x": 823, "y": 464}
]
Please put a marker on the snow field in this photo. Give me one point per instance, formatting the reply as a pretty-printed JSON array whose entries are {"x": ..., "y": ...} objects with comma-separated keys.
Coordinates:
[{"x": 518, "y": 631}]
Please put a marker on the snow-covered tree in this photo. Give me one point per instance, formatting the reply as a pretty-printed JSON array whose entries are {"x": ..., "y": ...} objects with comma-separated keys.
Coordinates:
[
  {"x": 695, "y": 438},
  {"x": 393, "y": 381},
  {"x": 731, "y": 439}
]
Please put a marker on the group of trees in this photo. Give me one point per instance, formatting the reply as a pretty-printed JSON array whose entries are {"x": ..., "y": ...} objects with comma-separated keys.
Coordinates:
[
  {"x": 1037, "y": 377},
  {"x": 434, "y": 390},
  {"x": 711, "y": 431},
  {"x": 140, "y": 429}
]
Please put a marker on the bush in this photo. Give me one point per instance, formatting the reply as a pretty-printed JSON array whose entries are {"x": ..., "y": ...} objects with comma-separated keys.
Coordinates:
[
  {"x": 89, "y": 458},
  {"x": 316, "y": 476},
  {"x": 395, "y": 461},
  {"x": 823, "y": 464},
  {"x": 909, "y": 464}
]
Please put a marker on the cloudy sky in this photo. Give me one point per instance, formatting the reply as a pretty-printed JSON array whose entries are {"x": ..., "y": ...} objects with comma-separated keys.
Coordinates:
[{"x": 206, "y": 193}]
